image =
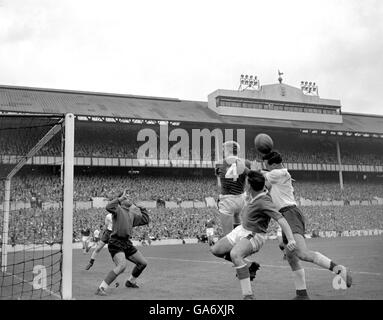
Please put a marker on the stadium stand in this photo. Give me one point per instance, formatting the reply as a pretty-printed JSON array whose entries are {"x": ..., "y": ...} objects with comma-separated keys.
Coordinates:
[
  {"x": 47, "y": 188},
  {"x": 96, "y": 137},
  {"x": 179, "y": 223},
  {"x": 120, "y": 141}
]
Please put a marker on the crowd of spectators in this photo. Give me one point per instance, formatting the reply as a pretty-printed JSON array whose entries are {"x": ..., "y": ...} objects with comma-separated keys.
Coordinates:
[
  {"x": 334, "y": 218},
  {"x": 47, "y": 188},
  {"x": 120, "y": 141},
  {"x": 29, "y": 226},
  {"x": 328, "y": 191}
]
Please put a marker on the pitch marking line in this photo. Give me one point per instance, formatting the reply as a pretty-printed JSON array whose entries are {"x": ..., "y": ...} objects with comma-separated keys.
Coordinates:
[
  {"x": 262, "y": 265},
  {"x": 31, "y": 284}
]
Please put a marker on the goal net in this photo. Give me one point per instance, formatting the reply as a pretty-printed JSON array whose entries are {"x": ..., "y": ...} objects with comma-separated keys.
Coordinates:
[{"x": 36, "y": 204}]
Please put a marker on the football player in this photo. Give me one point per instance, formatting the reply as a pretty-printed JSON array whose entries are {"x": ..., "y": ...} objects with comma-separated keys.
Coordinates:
[
  {"x": 125, "y": 215},
  {"x": 249, "y": 237},
  {"x": 279, "y": 181},
  {"x": 104, "y": 240}
]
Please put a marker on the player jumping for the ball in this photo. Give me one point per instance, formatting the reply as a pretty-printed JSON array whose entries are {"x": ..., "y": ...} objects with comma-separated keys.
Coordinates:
[
  {"x": 279, "y": 181},
  {"x": 126, "y": 215},
  {"x": 231, "y": 178},
  {"x": 103, "y": 241},
  {"x": 231, "y": 181},
  {"x": 249, "y": 237}
]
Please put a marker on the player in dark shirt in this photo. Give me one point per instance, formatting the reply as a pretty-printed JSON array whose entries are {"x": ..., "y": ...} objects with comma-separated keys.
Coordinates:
[
  {"x": 249, "y": 237},
  {"x": 126, "y": 215},
  {"x": 231, "y": 177},
  {"x": 85, "y": 239}
]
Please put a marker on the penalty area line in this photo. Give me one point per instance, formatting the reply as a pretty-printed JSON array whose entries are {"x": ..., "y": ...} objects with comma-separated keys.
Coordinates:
[{"x": 262, "y": 265}]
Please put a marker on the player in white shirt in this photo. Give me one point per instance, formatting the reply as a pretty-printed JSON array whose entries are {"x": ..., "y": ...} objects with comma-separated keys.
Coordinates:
[
  {"x": 104, "y": 240},
  {"x": 279, "y": 182},
  {"x": 96, "y": 235}
]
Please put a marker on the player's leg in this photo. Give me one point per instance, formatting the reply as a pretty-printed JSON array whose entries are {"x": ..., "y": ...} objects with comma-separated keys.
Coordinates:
[
  {"x": 95, "y": 252},
  {"x": 226, "y": 208},
  {"x": 298, "y": 275},
  {"x": 83, "y": 244},
  {"x": 245, "y": 247},
  {"x": 236, "y": 219},
  {"x": 226, "y": 222},
  {"x": 119, "y": 260},
  {"x": 238, "y": 204},
  {"x": 319, "y": 259},
  {"x": 87, "y": 245},
  {"x": 140, "y": 264},
  {"x": 281, "y": 245},
  {"x": 296, "y": 221},
  {"x": 222, "y": 247}
]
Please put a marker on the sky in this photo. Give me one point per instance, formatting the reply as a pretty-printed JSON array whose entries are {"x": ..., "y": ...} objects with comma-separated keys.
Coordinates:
[{"x": 188, "y": 49}]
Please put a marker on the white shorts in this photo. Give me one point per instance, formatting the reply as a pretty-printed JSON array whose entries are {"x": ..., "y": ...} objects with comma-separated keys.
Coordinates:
[
  {"x": 85, "y": 238},
  {"x": 210, "y": 232},
  {"x": 257, "y": 240},
  {"x": 231, "y": 204}
]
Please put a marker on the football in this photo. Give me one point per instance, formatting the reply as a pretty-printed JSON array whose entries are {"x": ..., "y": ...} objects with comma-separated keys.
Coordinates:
[{"x": 263, "y": 143}]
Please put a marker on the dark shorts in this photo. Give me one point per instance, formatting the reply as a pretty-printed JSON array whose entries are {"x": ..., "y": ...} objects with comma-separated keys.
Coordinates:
[
  {"x": 295, "y": 219},
  {"x": 118, "y": 245},
  {"x": 96, "y": 239},
  {"x": 105, "y": 236}
]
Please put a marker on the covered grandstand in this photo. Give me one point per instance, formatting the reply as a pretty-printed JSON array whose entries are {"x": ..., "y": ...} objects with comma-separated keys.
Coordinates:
[{"x": 334, "y": 164}]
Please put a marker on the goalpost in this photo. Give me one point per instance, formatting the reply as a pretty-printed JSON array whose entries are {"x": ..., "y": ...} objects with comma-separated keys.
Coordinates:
[{"x": 23, "y": 271}]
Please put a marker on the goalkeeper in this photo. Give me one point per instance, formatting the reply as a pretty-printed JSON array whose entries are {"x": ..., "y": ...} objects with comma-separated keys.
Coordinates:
[{"x": 126, "y": 215}]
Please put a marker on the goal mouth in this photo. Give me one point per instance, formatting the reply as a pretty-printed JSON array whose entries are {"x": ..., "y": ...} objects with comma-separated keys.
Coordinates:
[{"x": 32, "y": 204}]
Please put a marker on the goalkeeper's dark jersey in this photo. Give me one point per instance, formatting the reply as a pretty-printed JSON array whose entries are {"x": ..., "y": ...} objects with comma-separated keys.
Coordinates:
[{"x": 124, "y": 219}]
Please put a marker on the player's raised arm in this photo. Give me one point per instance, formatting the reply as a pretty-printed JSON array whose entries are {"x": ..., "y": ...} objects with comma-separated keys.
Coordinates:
[
  {"x": 140, "y": 215},
  {"x": 112, "y": 205}
]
